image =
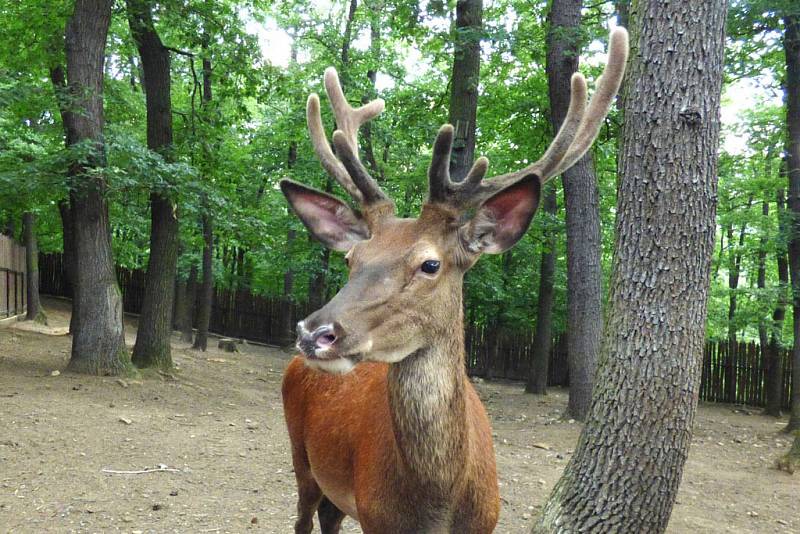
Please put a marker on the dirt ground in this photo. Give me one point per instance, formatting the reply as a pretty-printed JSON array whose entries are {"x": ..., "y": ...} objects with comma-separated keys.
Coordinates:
[{"x": 216, "y": 428}]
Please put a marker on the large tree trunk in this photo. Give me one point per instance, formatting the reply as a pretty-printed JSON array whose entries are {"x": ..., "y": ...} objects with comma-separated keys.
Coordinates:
[
  {"x": 464, "y": 94},
  {"x": 791, "y": 44},
  {"x": 152, "y": 348},
  {"x": 98, "y": 343},
  {"x": 207, "y": 286},
  {"x": 774, "y": 364},
  {"x": 584, "y": 273},
  {"x": 35, "y": 311},
  {"x": 625, "y": 472},
  {"x": 543, "y": 335}
]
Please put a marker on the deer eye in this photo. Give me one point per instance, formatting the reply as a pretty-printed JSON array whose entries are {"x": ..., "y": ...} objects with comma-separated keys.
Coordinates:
[{"x": 430, "y": 266}]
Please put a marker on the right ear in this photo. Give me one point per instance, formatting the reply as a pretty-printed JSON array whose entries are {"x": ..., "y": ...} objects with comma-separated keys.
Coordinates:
[{"x": 328, "y": 219}]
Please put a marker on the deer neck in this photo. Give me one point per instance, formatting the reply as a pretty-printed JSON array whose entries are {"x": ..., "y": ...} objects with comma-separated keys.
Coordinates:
[{"x": 427, "y": 402}]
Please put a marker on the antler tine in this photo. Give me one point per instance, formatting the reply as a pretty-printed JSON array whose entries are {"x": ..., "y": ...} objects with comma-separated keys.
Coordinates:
[
  {"x": 329, "y": 162},
  {"x": 349, "y": 119},
  {"x": 601, "y": 102},
  {"x": 474, "y": 190},
  {"x": 555, "y": 152},
  {"x": 566, "y": 134},
  {"x": 368, "y": 187},
  {"x": 350, "y": 172},
  {"x": 439, "y": 184},
  {"x": 440, "y": 187},
  {"x": 576, "y": 135}
]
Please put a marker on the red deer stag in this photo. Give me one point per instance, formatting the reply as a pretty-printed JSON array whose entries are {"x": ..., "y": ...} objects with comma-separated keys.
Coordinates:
[{"x": 401, "y": 442}]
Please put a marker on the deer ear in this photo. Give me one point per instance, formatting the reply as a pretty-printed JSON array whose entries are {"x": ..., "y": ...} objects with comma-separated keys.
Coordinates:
[
  {"x": 329, "y": 220},
  {"x": 503, "y": 218}
]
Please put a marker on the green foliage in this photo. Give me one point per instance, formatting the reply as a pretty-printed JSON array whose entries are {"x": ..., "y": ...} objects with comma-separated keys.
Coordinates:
[{"x": 230, "y": 153}]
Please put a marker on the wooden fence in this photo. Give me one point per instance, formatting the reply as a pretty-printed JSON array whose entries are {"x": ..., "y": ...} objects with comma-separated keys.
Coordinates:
[
  {"x": 12, "y": 278},
  {"x": 730, "y": 374}
]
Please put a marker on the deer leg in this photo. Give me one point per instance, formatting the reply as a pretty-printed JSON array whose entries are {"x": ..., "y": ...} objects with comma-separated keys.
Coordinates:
[
  {"x": 330, "y": 517},
  {"x": 309, "y": 493},
  {"x": 308, "y": 498}
]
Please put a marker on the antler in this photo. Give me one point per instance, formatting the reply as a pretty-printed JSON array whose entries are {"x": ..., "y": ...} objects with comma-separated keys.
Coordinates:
[
  {"x": 574, "y": 138},
  {"x": 347, "y": 169}
]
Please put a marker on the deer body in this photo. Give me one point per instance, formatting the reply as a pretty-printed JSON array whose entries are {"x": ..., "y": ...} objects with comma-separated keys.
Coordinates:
[
  {"x": 384, "y": 424},
  {"x": 392, "y": 477}
]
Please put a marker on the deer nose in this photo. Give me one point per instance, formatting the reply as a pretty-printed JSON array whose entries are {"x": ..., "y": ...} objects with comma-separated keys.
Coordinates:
[{"x": 321, "y": 338}]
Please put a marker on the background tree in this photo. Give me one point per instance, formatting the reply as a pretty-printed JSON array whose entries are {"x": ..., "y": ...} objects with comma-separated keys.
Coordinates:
[
  {"x": 791, "y": 45},
  {"x": 584, "y": 275},
  {"x": 34, "y": 311},
  {"x": 465, "y": 79},
  {"x": 152, "y": 348},
  {"x": 98, "y": 342},
  {"x": 630, "y": 466}
]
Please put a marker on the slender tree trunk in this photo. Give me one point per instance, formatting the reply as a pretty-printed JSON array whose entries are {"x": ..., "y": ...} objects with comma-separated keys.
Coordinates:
[
  {"x": 581, "y": 200},
  {"x": 734, "y": 270},
  {"x": 791, "y": 44},
  {"x": 318, "y": 287},
  {"x": 774, "y": 380},
  {"x": 287, "y": 333},
  {"x": 35, "y": 311},
  {"x": 67, "y": 244},
  {"x": 206, "y": 296},
  {"x": 465, "y": 78},
  {"x": 625, "y": 472},
  {"x": 191, "y": 305},
  {"x": 98, "y": 342},
  {"x": 543, "y": 335},
  {"x": 761, "y": 281},
  {"x": 179, "y": 316},
  {"x": 207, "y": 285},
  {"x": 375, "y": 10},
  {"x": 152, "y": 348}
]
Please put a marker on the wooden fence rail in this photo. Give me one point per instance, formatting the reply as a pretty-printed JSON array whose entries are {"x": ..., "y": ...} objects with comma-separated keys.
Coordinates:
[
  {"x": 731, "y": 374},
  {"x": 12, "y": 278}
]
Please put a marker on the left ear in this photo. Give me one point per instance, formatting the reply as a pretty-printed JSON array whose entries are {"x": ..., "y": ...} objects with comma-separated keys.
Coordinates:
[{"x": 503, "y": 218}]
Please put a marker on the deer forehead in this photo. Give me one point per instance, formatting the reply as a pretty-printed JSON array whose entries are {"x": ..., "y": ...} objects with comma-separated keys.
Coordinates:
[{"x": 402, "y": 240}]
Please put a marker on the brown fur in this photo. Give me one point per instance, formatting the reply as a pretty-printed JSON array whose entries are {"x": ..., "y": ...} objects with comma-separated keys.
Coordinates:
[{"x": 343, "y": 436}]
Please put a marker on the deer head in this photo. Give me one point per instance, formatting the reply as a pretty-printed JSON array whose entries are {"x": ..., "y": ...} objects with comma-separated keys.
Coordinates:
[{"x": 406, "y": 275}]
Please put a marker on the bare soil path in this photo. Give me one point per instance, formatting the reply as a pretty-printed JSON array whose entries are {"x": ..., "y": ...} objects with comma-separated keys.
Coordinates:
[{"x": 217, "y": 424}]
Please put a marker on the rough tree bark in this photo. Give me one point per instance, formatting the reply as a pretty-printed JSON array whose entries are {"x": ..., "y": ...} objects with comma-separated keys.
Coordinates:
[
  {"x": 152, "y": 348},
  {"x": 625, "y": 472},
  {"x": 206, "y": 296},
  {"x": 791, "y": 45},
  {"x": 98, "y": 342},
  {"x": 465, "y": 78},
  {"x": 35, "y": 311},
  {"x": 581, "y": 202},
  {"x": 543, "y": 335}
]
